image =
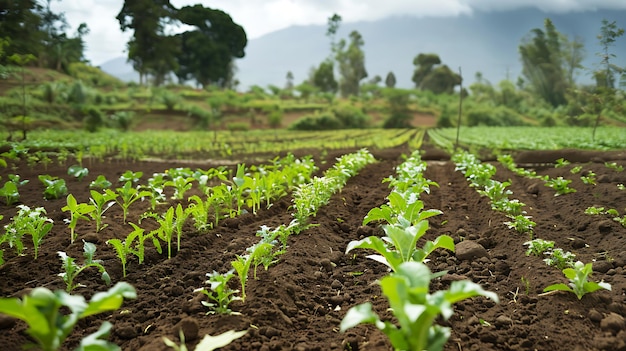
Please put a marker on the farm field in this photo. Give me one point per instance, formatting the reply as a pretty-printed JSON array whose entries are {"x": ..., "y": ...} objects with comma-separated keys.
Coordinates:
[{"x": 299, "y": 302}]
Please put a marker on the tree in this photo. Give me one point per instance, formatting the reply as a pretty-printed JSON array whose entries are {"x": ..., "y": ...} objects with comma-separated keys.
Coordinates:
[
  {"x": 207, "y": 52},
  {"x": 289, "y": 83},
  {"x": 21, "y": 23},
  {"x": 424, "y": 64},
  {"x": 351, "y": 60},
  {"x": 544, "y": 55},
  {"x": 430, "y": 75},
  {"x": 605, "y": 76},
  {"x": 390, "y": 81},
  {"x": 324, "y": 77},
  {"x": 333, "y": 26},
  {"x": 150, "y": 50}
]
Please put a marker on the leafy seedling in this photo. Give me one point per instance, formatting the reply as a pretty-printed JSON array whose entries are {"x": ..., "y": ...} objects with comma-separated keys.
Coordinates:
[
  {"x": 49, "y": 323},
  {"x": 77, "y": 211},
  {"x": 78, "y": 171},
  {"x": 219, "y": 294},
  {"x": 579, "y": 284},
  {"x": 72, "y": 269}
]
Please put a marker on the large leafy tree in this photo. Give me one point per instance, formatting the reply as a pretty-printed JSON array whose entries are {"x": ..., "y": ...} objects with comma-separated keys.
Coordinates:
[
  {"x": 431, "y": 75},
  {"x": 351, "y": 60},
  {"x": 207, "y": 52},
  {"x": 20, "y": 21},
  {"x": 150, "y": 50},
  {"x": 323, "y": 77},
  {"x": 549, "y": 62}
]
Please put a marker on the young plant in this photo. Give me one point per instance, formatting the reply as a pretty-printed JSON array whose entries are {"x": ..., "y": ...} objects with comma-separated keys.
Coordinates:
[
  {"x": 16, "y": 179},
  {"x": 128, "y": 195},
  {"x": 614, "y": 166},
  {"x": 538, "y": 247},
  {"x": 560, "y": 185},
  {"x": 181, "y": 186},
  {"x": 579, "y": 284},
  {"x": 101, "y": 203},
  {"x": 576, "y": 170},
  {"x": 128, "y": 246},
  {"x": 166, "y": 229},
  {"x": 10, "y": 193},
  {"x": 55, "y": 187},
  {"x": 130, "y": 176},
  {"x": 208, "y": 343},
  {"x": 621, "y": 186},
  {"x": 593, "y": 210},
  {"x": 243, "y": 263},
  {"x": 199, "y": 212},
  {"x": 589, "y": 179},
  {"x": 522, "y": 224},
  {"x": 415, "y": 309},
  {"x": 77, "y": 171},
  {"x": 220, "y": 294},
  {"x": 100, "y": 182},
  {"x": 560, "y": 259},
  {"x": 72, "y": 269},
  {"x": 27, "y": 221},
  {"x": 77, "y": 211},
  {"x": 561, "y": 163},
  {"x": 406, "y": 228},
  {"x": 49, "y": 323}
]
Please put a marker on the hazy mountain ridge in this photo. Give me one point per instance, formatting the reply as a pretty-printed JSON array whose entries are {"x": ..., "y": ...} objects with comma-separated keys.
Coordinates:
[{"x": 485, "y": 42}]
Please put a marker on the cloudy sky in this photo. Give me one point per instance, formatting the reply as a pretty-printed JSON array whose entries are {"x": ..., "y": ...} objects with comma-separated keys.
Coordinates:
[{"x": 258, "y": 17}]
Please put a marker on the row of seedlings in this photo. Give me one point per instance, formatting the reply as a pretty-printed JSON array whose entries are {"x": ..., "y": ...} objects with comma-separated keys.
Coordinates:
[
  {"x": 307, "y": 199},
  {"x": 406, "y": 287},
  {"x": 479, "y": 175}
]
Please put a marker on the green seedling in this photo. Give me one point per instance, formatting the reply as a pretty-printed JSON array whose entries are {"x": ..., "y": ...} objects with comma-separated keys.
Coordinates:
[
  {"x": 561, "y": 163},
  {"x": 10, "y": 193},
  {"x": 560, "y": 185},
  {"x": 589, "y": 179},
  {"x": 130, "y": 176},
  {"x": 621, "y": 186},
  {"x": 101, "y": 203},
  {"x": 15, "y": 178},
  {"x": 27, "y": 221},
  {"x": 495, "y": 190},
  {"x": 55, "y": 187},
  {"x": 415, "y": 309},
  {"x": 614, "y": 166},
  {"x": 593, "y": 210},
  {"x": 181, "y": 186},
  {"x": 510, "y": 207},
  {"x": 72, "y": 269},
  {"x": 165, "y": 231},
  {"x": 522, "y": 224},
  {"x": 208, "y": 343},
  {"x": 77, "y": 211},
  {"x": 406, "y": 228},
  {"x": 538, "y": 247},
  {"x": 560, "y": 259},
  {"x": 133, "y": 244},
  {"x": 579, "y": 284},
  {"x": 243, "y": 263},
  {"x": 100, "y": 182},
  {"x": 179, "y": 222},
  {"x": 78, "y": 171},
  {"x": 576, "y": 170},
  {"x": 51, "y": 316},
  {"x": 199, "y": 212},
  {"x": 128, "y": 195},
  {"x": 219, "y": 294}
]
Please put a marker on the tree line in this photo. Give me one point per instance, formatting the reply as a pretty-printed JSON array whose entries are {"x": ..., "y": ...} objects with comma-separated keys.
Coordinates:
[{"x": 30, "y": 33}]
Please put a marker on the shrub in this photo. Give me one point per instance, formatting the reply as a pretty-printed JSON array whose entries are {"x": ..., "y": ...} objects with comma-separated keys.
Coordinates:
[
  {"x": 490, "y": 116},
  {"x": 93, "y": 119},
  {"x": 350, "y": 116},
  {"x": 238, "y": 127},
  {"x": 319, "y": 121}
]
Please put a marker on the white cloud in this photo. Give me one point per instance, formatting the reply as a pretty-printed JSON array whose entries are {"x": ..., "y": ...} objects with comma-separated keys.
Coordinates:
[{"x": 258, "y": 17}]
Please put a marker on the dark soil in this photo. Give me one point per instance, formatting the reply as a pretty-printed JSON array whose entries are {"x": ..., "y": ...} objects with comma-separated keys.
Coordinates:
[{"x": 298, "y": 303}]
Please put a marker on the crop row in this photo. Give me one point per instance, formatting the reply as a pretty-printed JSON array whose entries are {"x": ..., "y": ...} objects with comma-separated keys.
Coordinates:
[
  {"x": 150, "y": 144},
  {"x": 480, "y": 176},
  {"x": 407, "y": 286},
  {"x": 531, "y": 138}
]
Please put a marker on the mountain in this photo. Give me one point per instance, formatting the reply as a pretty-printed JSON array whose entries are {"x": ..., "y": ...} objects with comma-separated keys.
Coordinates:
[{"x": 485, "y": 42}]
